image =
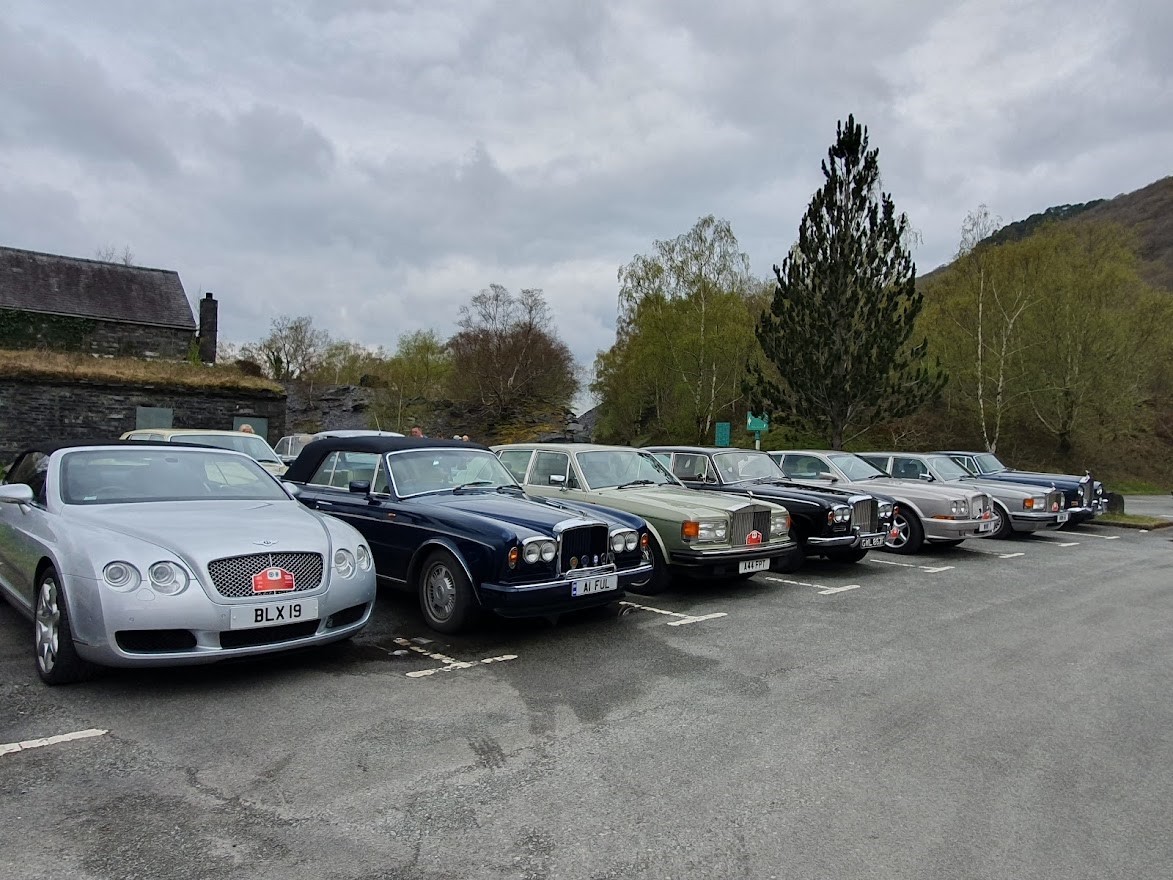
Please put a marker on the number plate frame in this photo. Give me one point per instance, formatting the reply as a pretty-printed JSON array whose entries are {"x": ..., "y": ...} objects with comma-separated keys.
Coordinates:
[
  {"x": 871, "y": 542},
  {"x": 752, "y": 565},
  {"x": 1064, "y": 516},
  {"x": 603, "y": 583},
  {"x": 272, "y": 613}
]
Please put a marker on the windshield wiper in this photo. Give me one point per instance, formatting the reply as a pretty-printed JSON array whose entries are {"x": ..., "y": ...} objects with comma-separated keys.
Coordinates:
[
  {"x": 473, "y": 484},
  {"x": 635, "y": 483},
  {"x": 512, "y": 490}
]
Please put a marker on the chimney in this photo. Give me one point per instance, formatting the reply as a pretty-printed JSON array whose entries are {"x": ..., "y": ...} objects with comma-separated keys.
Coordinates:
[{"x": 208, "y": 326}]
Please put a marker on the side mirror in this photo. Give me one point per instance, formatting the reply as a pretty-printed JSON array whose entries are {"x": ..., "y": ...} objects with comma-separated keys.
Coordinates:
[
  {"x": 927, "y": 477},
  {"x": 292, "y": 488},
  {"x": 828, "y": 476},
  {"x": 17, "y": 493},
  {"x": 557, "y": 480},
  {"x": 359, "y": 487}
]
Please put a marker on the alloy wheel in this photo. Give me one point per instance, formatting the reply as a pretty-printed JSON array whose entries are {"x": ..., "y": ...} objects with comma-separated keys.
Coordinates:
[
  {"x": 902, "y": 529},
  {"x": 48, "y": 625},
  {"x": 440, "y": 591}
]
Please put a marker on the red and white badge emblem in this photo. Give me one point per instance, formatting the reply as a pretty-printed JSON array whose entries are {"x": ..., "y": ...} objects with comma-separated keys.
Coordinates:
[
  {"x": 273, "y": 580},
  {"x": 754, "y": 537}
]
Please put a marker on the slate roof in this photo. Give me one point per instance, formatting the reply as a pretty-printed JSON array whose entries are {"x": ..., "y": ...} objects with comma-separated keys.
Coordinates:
[{"x": 58, "y": 285}]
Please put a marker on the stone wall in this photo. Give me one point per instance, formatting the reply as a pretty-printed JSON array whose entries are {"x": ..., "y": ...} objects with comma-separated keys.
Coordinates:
[
  {"x": 39, "y": 410},
  {"x": 329, "y": 407},
  {"x": 34, "y": 330}
]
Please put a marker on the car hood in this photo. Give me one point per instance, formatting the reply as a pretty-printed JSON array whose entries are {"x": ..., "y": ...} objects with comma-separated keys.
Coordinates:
[
  {"x": 914, "y": 490},
  {"x": 211, "y": 529},
  {"x": 534, "y": 514},
  {"x": 998, "y": 487},
  {"x": 671, "y": 502},
  {"x": 1036, "y": 478},
  {"x": 780, "y": 490}
]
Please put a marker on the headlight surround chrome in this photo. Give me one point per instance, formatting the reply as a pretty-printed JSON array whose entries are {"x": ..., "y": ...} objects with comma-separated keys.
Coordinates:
[
  {"x": 839, "y": 514},
  {"x": 884, "y": 510},
  {"x": 534, "y": 550},
  {"x": 1039, "y": 502},
  {"x": 630, "y": 541},
  {"x": 121, "y": 576},
  {"x": 959, "y": 508},
  {"x": 362, "y": 555},
  {"x": 779, "y": 524},
  {"x": 549, "y": 551},
  {"x": 168, "y": 578},
  {"x": 704, "y": 530},
  {"x": 344, "y": 562},
  {"x": 617, "y": 542}
]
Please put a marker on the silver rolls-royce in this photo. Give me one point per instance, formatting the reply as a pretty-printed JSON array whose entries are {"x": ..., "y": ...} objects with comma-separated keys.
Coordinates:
[{"x": 145, "y": 554}]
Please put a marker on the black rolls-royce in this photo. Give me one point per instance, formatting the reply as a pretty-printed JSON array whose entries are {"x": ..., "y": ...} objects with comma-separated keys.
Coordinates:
[
  {"x": 835, "y": 523},
  {"x": 446, "y": 520}
]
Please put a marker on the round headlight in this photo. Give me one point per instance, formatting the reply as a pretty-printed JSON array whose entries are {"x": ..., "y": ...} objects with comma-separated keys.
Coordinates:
[
  {"x": 344, "y": 562},
  {"x": 842, "y": 514},
  {"x": 532, "y": 552},
  {"x": 549, "y": 551},
  {"x": 363, "y": 555},
  {"x": 617, "y": 542},
  {"x": 885, "y": 509},
  {"x": 629, "y": 541},
  {"x": 963, "y": 508},
  {"x": 168, "y": 578},
  {"x": 121, "y": 576},
  {"x": 953, "y": 508}
]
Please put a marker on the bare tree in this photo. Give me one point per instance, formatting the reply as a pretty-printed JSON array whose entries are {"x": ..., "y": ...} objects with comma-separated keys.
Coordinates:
[
  {"x": 507, "y": 357},
  {"x": 292, "y": 349},
  {"x": 110, "y": 254}
]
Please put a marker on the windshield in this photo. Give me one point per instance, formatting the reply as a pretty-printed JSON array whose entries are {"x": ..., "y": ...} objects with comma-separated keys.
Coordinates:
[
  {"x": 738, "y": 466},
  {"x": 420, "y": 471},
  {"x": 122, "y": 476},
  {"x": 249, "y": 444},
  {"x": 946, "y": 468},
  {"x": 855, "y": 468},
  {"x": 608, "y": 468},
  {"x": 988, "y": 463}
]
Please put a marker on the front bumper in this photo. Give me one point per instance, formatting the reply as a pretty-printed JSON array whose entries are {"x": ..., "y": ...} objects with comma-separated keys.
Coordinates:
[
  {"x": 108, "y": 613},
  {"x": 554, "y": 597},
  {"x": 1083, "y": 514},
  {"x": 1033, "y": 522},
  {"x": 855, "y": 540},
  {"x": 957, "y": 529},
  {"x": 725, "y": 562}
]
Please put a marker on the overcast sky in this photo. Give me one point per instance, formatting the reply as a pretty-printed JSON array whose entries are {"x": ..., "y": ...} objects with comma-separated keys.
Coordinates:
[{"x": 375, "y": 163}]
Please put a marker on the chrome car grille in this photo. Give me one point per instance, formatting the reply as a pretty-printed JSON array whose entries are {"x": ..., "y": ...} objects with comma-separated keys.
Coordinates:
[
  {"x": 1055, "y": 501},
  {"x": 233, "y": 576},
  {"x": 865, "y": 514},
  {"x": 1085, "y": 491},
  {"x": 751, "y": 519},
  {"x": 585, "y": 546},
  {"x": 979, "y": 506}
]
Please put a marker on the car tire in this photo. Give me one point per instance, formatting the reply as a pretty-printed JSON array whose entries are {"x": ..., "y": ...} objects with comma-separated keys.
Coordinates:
[
  {"x": 660, "y": 578},
  {"x": 55, "y": 653},
  {"x": 911, "y": 534},
  {"x": 795, "y": 560},
  {"x": 1005, "y": 527},
  {"x": 445, "y": 593},
  {"x": 853, "y": 555}
]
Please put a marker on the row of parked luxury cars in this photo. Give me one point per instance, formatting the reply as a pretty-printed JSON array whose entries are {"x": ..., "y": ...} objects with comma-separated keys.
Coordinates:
[{"x": 162, "y": 550}]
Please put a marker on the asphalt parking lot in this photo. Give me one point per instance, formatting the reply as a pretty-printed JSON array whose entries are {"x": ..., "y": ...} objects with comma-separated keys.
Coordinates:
[{"x": 996, "y": 710}]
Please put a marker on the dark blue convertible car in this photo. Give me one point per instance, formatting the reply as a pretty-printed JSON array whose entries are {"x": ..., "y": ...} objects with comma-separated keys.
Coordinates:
[{"x": 446, "y": 520}]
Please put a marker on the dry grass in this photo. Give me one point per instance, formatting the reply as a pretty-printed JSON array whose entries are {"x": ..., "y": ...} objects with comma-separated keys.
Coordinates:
[
  {"x": 56, "y": 366},
  {"x": 1133, "y": 521}
]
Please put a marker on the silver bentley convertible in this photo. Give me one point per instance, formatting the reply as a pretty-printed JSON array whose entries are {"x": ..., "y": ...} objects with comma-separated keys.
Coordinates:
[{"x": 145, "y": 554}]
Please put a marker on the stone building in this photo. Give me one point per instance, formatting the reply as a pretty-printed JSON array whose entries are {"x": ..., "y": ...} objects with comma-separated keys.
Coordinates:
[{"x": 61, "y": 303}]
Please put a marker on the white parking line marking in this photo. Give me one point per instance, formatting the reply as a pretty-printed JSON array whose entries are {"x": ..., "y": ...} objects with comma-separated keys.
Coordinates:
[
  {"x": 25, "y": 745},
  {"x": 823, "y": 589},
  {"x": 683, "y": 618},
  {"x": 1103, "y": 537},
  {"x": 450, "y": 663},
  {"x": 1068, "y": 544},
  {"x": 931, "y": 569},
  {"x": 1010, "y": 555}
]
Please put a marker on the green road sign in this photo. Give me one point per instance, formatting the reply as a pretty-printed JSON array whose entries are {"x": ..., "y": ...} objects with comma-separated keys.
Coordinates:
[
  {"x": 722, "y": 434},
  {"x": 756, "y": 423}
]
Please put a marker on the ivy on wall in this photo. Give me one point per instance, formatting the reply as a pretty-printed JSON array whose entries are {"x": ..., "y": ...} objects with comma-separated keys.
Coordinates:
[{"x": 20, "y": 329}]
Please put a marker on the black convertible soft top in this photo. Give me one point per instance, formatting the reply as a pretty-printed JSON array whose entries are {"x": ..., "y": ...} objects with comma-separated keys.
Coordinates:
[{"x": 313, "y": 453}]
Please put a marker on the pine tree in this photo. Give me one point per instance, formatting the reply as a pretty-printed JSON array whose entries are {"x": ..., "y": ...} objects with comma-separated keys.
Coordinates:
[{"x": 837, "y": 335}]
